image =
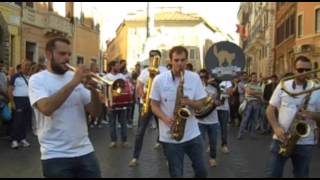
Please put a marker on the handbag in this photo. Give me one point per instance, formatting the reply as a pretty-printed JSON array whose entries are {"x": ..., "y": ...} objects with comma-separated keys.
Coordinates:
[{"x": 5, "y": 112}]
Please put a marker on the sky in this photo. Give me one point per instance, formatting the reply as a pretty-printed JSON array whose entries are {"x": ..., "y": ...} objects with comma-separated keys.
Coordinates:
[{"x": 111, "y": 14}]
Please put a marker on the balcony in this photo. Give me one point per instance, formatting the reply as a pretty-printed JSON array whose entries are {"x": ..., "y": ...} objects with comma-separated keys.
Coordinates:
[
  {"x": 32, "y": 17},
  {"x": 51, "y": 22},
  {"x": 57, "y": 25}
]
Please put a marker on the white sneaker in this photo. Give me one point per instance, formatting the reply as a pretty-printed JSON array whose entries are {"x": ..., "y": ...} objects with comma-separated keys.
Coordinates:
[
  {"x": 24, "y": 143},
  {"x": 14, "y": 145},
  {"x": 112, "y": 145},
  {"x": 212, "y": 162},
  {"x": 133, "y": 163},
  {"x": 156, "y": 146},
  {"x": 208, "y": 149},
  {"x": 224, "y": 149}
]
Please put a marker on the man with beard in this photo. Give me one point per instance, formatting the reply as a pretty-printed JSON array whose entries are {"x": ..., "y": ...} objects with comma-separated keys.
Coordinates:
[{"x": 61, "y": 100}]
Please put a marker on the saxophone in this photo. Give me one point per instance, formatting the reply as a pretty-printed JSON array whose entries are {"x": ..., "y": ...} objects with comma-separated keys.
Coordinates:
[
  {"x": 153, "y": 71},
  {"x": 180, "y": 113},
  {"x": 298, "y": 129}
]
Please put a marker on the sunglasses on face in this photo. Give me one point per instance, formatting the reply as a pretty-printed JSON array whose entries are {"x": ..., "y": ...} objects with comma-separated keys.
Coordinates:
[{"x": 301, "y": 70}]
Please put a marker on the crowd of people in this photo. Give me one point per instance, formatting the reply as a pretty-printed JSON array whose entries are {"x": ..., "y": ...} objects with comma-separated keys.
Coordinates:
[{"x": 74, "y": 100}]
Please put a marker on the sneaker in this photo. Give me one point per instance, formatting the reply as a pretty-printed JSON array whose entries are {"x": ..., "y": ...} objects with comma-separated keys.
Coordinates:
[
  {"x": 239, "y": 137},
  {"x": 212, "y": 162},
  {"x": 208, "y": 149},
  {"x": 14, "y": 145},
  {"x": 104, "y": 122},
  {"x": 225, "y": 149},
  {"x": 129, "y": 126},
  {"x": 125, "y": 145},
  {"x": 133, "y": 163},
  {"x": 156, "y": 146},
  {"x": 24, "y": 143},
  {"x": 112, "y": 145}
]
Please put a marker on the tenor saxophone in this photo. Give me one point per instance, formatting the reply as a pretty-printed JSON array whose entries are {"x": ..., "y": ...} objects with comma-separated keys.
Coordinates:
[{"x": 181, "y": 113}]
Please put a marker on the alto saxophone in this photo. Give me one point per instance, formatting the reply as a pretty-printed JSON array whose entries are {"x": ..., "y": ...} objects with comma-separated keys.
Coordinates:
[
  {"x": 180, "y": 113},
  {"x": 153, "y": 71},
  {"x": 299, "y": 128}
]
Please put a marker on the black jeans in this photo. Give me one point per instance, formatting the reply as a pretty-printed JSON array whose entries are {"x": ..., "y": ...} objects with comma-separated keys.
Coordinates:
[
  {"x": 85, "y": 166},
  {"x": 22, "y": 118},
  {"x": 142, "y": 127}
]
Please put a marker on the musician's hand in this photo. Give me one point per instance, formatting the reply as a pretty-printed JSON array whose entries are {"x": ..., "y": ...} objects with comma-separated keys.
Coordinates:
[
  {"x": 81, "y": 74},
  {"x": 305, "y": 114},
  {"x": 168, "y": 121},
  {"x": 281, "y": 134},
  {"x": 90, "y": 84},
  {"x": 185, "y": 101}
]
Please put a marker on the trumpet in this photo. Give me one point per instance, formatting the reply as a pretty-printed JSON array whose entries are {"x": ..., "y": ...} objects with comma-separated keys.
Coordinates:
[{"x": 95, "y": 77}]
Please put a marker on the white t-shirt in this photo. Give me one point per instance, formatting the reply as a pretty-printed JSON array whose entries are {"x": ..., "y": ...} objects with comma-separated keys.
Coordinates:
[
  {"x": 288, "y": 106},
  {"x": 63, "y": 134},
  {"x": 20, "y": 86},
  {"x": 224, "y": 85},
  {"x": 164, "y": 90},
  {"x": 212, "y": 118}
]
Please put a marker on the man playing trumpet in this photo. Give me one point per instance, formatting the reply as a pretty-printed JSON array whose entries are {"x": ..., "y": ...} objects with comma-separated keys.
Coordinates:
[{"x": 60, "y": 99}]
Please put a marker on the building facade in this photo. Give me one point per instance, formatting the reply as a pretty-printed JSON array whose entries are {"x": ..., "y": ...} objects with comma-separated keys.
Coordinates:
[
  {"x": 10, "y": 33},
  {"x": 257, "y": 19},
  {"x": 170, "y": 29}
]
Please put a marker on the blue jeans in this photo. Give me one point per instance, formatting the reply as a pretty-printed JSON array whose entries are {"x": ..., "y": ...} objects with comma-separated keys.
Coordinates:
[
  {"x": 175, "y": 156},
  {"x": 223, "y": 117},
  {"x": 121, "y": 115},
  {"x": 212, "y": 130},
  {"x": 142, "y": 127},
  {"x": 301, "y": 158},
  {"x": 85, "y": 166},
  {"x": 250, "y": 117}
]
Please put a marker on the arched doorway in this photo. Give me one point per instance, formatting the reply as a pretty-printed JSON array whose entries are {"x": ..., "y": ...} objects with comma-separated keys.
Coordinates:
[{"x": 4, "y": 42}]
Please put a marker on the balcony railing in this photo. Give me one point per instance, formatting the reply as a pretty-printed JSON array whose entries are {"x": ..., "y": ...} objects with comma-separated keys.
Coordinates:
[{"x": 57, "y": 23}]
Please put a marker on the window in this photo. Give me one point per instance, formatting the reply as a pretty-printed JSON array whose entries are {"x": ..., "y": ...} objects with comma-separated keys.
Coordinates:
[
  {"x": 50, "y": 6},
  {"x": 93, "y": 60},
  {"x": 192, "y": 54},
  {"x": 18, "y": 3},
  {"x": 317, "y": 23},
  {"x": 292, "y": 25},
  {"x": 29, "y": 4},
  {"x": 300, "y": 25},
  {"x": 80, "y": 60},
  {"x": 30, "y": 50}
]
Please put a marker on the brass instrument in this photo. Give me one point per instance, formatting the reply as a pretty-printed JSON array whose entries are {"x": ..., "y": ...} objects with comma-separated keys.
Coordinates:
[
  {"x": 299, "y": 128},
  {"x": 115, "y": 87},
  {"x": 95, "y": 77},
  {"x": 209, "y": 105},
  {"x": 314, "y": 82},
  {"x": 153, "y": 71},
  {"x": 180, "y": 113}
]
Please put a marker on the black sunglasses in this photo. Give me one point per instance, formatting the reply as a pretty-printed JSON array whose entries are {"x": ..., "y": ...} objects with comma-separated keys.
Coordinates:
[{"x": 301, "y": 70}]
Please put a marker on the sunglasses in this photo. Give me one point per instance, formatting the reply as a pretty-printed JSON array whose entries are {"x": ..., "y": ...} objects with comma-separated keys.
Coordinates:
[{"x": 301, "y": 70}]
